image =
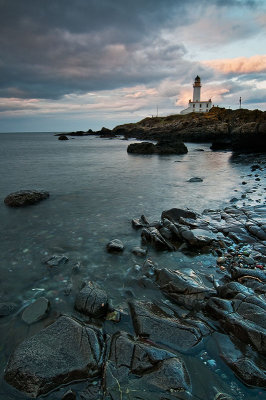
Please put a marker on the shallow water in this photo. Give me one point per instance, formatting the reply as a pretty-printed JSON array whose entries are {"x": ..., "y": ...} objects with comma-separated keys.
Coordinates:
[{"x": 96, "y": 188}]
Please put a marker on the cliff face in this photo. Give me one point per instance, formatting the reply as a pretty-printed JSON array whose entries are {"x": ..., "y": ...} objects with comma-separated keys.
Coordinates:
[{"x": 242, "y": 128}]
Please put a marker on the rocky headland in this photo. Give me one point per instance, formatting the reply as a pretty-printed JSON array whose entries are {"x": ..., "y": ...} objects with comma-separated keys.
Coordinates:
[{"x": 238, "y": 130}]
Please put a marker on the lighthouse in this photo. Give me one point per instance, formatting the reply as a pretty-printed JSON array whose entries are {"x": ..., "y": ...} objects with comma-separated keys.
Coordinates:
[
  {"x": 197, "y": 105},
  {"x": 196, "y": 89}
]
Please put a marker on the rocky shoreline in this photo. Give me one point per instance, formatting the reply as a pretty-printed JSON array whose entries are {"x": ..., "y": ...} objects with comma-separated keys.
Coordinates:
[
  {"x": 238, "y": 130},
  {"x": 151, "y": 363}
]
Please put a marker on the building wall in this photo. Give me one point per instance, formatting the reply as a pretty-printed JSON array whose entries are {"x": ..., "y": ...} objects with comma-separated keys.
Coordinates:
[
  {"x": 196, "y": 93},
  {"x": 198, "y": 106}
]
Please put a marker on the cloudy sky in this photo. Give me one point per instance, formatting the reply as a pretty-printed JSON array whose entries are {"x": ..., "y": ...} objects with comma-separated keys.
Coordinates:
[{"x": 74, "y": 65}]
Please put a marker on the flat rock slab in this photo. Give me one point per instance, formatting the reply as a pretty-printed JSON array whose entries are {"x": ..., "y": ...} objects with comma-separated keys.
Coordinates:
[
  {"x": 153, "y": 323},
  {"x": 63, "y": 352},
  {"x": 25, "y": 198},
  {"x": 36, "y": 310}
]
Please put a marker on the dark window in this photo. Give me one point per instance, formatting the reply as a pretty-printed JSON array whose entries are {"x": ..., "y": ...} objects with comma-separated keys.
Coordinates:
[
  {"x": 200, "y": 105},
  {"x": 193, "y": 105},
  {"x": 207, "y": 105}
]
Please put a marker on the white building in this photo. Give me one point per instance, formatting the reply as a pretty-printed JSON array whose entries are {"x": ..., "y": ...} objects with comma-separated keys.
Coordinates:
[{"x": 197, "y": 105}]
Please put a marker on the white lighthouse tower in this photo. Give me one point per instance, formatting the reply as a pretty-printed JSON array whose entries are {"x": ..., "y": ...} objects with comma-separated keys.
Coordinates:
[
  {"x": 196, "y": 89},
  {"x": 197, "y": 105}
]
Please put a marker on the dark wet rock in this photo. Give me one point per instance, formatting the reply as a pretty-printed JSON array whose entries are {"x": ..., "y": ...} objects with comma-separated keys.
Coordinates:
[
  {"x": 198, "y": 237},
  {"x": 170, "y": 146},
  {"x": 196, "y": 179},
  {"x": 152, "y": 322},
  {"x": 65, "y": 351},
  {"x": 243, "y": 316},
  {"x": 153, "y": 236},
  {"x": 7, "y": 308},
  {"x": 164, "y": 146},
  {"x": 183, "y": 289},
  {"x": 138, "y": 251},
  {"x": 233, "y": 200},
  {"x": 63, "y": 137},
  {"x": 76, "y": 268},
  {"x": 248, "y": 371},
  {"x": 25, "y": 198},
  {"x": 232, "y": 289},
  {"x": 36, "y": 311},
  {"x": 115, "y": 246},
  {"x": 140, "y": 222},
  {"x": 255, "y": 230},
  {"x": 222, "y": 144},
  {"x": 141, "y": 148},
  {"x": 158, "y": 372},
  {"x": 69, "y": 395},
  {"x": 92, "y": 301},
  {"x": 55, "y": 260},
  {"x": 240, "y": 273},
  {"x": 174, "y": 214}
]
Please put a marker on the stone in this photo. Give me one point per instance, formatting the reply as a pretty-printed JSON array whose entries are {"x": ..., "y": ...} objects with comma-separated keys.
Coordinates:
[
  {"x": 63, "y": 137},
  {"x": 36, "y": 311},
  {"x": 140, "y": 222},
  {"x": 158, "y": 371},
  {"x": 153, "y": 323},
  {"x": 92, "y": 301},
  {"x": 153, "y": 236},
  {"x": 170, "y": 146},
  {"x": 69, "y": 395},
  {"x": 195, "y": 179},
  {"x": 7, "y": 308},
  {"x": 183, "y": 289},
  {"x": 141, "y": 148},
  {"x": 174, "y": 214},
  {"x": 115, "y": 246},
  {"x": 138, "y": 251},
  {"x": 63, "y": 352},
  {"x": 55, "y": 260},
  {"x": 25, "y": 198}
]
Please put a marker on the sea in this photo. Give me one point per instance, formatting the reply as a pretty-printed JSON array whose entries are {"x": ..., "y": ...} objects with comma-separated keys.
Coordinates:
[{"x": 96, "y": 188}]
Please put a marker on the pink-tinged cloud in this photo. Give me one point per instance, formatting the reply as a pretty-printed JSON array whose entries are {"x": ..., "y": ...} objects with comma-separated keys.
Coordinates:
[
  {"x": 213, "y": 92},
  {"x": 239, "y": 65}
]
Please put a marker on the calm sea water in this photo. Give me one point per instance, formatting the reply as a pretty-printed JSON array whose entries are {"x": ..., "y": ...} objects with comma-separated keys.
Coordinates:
[{"x": 96, "y": 188}]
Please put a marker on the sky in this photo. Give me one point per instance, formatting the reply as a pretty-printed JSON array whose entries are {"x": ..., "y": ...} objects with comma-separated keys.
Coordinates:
[{"x": 76, "y": 65}]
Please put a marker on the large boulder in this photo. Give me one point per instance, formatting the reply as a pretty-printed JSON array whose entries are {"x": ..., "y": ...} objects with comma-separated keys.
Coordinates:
[
  {"x": 168, "y": 146},
  {"x": 141, "y": 148},
  {"x": 25, "y": 198},
  {"x": 65, "y": 351},
  {"x": 159, "y": 372}
]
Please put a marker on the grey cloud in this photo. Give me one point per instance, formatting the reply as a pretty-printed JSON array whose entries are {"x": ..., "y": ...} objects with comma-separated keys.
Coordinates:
[{"x": 51, "y": 48}]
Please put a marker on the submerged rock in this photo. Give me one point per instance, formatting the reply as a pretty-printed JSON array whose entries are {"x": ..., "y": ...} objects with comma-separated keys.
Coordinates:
[
  {"x": 55, "y": 260},
  {"x": 25, "y": 198},
  {"x": 63, "y": 352},
  {"x": 7, "y": 308},
  {"x": 115, "y": 246},
  {"x": 196, "y": 179},
  {"x": 36, "y": 310},
  {"x": 63, "y": 137}
]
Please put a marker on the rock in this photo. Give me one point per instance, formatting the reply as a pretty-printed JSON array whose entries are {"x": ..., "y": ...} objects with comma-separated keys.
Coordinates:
[
  {"x": 174, "y": 214},
  {"x": 140, "y": 222},
  {"x": 63, "y": 137},
  {"x": 138, "y": 251},
  {"x": 36, "y": 311},
  {"x": 151, "y": 322},
  {"x": 55, "y": 260},
  {"x": 198, "y": 237},
  {"x": 7, "y": 309},
  {"x": 158, "y": 371},
  {"x": 221, "y": 144},
  {"x": 243, "y": 316},
  {"x": 92, "y": 301},
  {"x": 248, "y": 371},
  {"x": 63, "y": 352},
  {"x": 183, "y": 289},
  {"x": 141, "y": 148},
  {"x": 115, "y": 246},
  {"x": 25, "y": 198},
  {"x": 170, "y": 146},
  {"x": 196, "y": 179},
  {"x": 153, "y": 236}
]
